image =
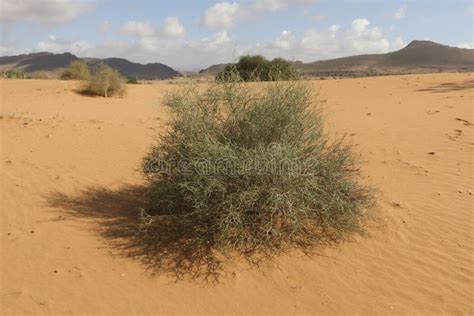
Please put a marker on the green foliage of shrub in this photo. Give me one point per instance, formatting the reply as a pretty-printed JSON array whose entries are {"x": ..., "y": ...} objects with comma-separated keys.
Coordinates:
[
  {"x": 132, "y": 80},
  {"x": 77, "y": 70},
  {"x": 105, "y": 82},
  {"x": 250, "y": 169},
  {"x": 13, "y": 74},
  {"x": 258, "y": 68},
  {"x": 281, "y": 69}
]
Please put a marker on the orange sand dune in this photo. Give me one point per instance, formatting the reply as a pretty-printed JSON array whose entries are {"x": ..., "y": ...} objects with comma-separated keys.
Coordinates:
[{"x": 70, "y": 181}]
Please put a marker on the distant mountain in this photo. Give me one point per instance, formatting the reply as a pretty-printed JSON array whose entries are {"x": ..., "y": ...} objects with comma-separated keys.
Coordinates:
[
  {"x": 35, "y": 62},
  {"x": 213, "y": 70},
  {"x": 142, "y": 72},
  {"x": 55, "y": 63},
  {"x": 416, "y": 57}
]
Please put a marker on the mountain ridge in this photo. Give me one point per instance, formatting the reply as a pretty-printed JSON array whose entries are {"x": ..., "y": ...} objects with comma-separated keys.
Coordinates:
[
  {"x": 54, "y": 64},
  {"x": 419, "y": 56}
]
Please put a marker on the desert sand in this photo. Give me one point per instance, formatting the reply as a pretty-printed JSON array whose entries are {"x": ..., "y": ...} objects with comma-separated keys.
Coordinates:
[{"x": 70, "y": 177}]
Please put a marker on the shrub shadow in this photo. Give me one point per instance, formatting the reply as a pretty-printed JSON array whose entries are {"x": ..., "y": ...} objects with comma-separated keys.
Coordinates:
[
  {"x": 172, "y": 248},
  {"x": 450, "y": 87}
]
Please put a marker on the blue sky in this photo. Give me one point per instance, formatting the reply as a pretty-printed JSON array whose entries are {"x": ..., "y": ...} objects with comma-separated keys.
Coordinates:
[{"x": 194, "y": 34}]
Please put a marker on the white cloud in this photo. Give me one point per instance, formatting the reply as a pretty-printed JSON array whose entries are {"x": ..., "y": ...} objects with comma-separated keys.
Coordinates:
[
  {"x": 176, "y": 52},
  {"x": 398, "y": 43},
  {"x": 223, "y": 15},
  {"x": 173, "y": 27},
  {"x": 138, "y": 28},
  {"x": 277, "y": 5},
  {"x": 270, "y": 5},
  {"x": 47, "y": 11},
  {"x": 363, "y": 39},
  {"x": 167, "y": 43},
  {"x": 58, "y": 45},
  {"x": 358, "y": 38},
  {"x": 284, "y": 42},
  {"x": 360, "y": 25},
  {"x": 333, "y": 29},
  {"x": 466, "y": 45},
  {"x": 212, "y": 44},
  {"x": 400, "y": 13}
]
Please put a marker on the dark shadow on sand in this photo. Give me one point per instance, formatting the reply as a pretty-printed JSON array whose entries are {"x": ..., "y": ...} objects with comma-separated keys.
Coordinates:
[
  {"x": 172, "y": 248},
  {"x": 176, "y": 246},
  {"x": 450, "y": 87}
]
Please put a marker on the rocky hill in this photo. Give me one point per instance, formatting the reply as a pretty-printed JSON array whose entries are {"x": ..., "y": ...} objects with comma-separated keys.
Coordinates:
[{"x": 52, "y": 64}]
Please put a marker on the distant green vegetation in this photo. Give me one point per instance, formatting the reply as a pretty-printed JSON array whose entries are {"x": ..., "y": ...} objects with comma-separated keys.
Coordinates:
[
  {"x": 77, "y": 70},
  {"x": 132, "y": 80},
  {"x": 14, "y": 74},
  {"x": 258, "y": 68}
]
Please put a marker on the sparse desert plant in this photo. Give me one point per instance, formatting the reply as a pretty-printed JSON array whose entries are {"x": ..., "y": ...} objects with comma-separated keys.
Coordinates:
[
  {"x": 77, "y": 70},
  {"x": 105, "y": 82},
  {"x": 13, "y": 74},
  {"x": 250, "y": 169}
]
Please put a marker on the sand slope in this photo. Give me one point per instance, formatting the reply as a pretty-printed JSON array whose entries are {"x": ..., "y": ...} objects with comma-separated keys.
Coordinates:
[{"x": 69, "y": 181}]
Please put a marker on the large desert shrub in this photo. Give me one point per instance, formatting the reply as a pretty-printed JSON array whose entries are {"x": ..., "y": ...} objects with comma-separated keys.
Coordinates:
[
  {"x": 258, "y": 68},
  {"x": 105, "y": 82},
  {"x": 250, "y": 168},
  {"x": 77, "y": 70},
  {"x": 282, "y": 69}
]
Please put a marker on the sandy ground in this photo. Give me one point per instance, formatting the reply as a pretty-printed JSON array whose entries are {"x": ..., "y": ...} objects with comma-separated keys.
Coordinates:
[{"x": 69, "y": 181}]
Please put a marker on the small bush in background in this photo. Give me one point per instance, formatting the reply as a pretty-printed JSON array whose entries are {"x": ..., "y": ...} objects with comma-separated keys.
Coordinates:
[
  {"x": 77, "y": 70},
  {"x": 251, "y": 170},
  {"x": 258, "y": 68},
  {"x": 13, "y": 74},
  {"x": 282, "y": 70},
  {"x": 132, "y": 80},
  {"x": 105, "y": 82}
]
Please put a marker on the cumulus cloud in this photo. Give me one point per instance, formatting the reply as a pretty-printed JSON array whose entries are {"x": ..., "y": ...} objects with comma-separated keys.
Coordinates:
[
  {"x": 400, "y": 13},
  {"x": 211, "y": 44},
  {"x": 58, "y": 45},
  {"x": 336, "y": 41},
  {"x": 138, "y": 28},
  {"x": 174, "y": 51},
  {"x": 217, "y": 48},
  {"x": 224, "y": 15},
  {"x": 167, "y": 43},
  {"x": 47, "y": 11},
  {"x": 397, "y": 44},
  {"x": 277, "y": 5},
  {"x": 171, "y": 28}
]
